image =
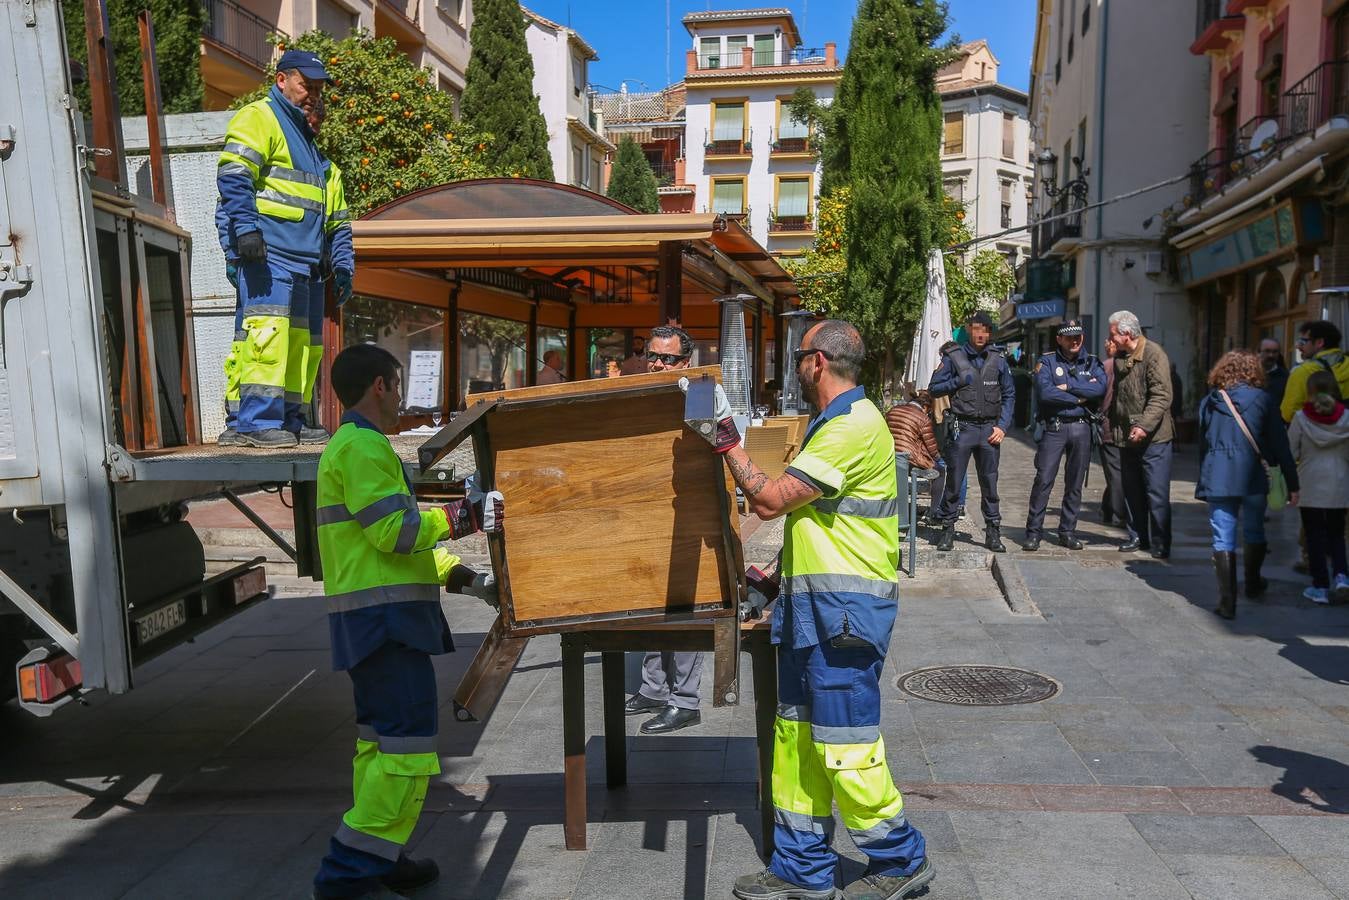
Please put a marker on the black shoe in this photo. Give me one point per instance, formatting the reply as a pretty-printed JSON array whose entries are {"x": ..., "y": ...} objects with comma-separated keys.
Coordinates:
[
  {"x": 891, "y": 887},
  {"x": 1161, "y": 553},
  {"x": 411, "y": 874},
  {"x": 947, "y": 542},
  {"x": 670, "y": 719},
  {"x": 641, "y": 704},
  {"x": 269, "y": 438},
  {"x": 765, "y": 885},
  {"x": 1131, "y": 545},
  {"x": 230, "y": 438},
  {"x": 1069, "y": 540},
  {"x": 1032, "y": 544},
  {"x": 993, "y": 539},
  {"x": 309, "y": 435},
  {"x": 960, "y": 512}
]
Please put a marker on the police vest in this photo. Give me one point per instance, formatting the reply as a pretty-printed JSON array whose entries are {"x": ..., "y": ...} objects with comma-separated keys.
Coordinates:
[{"x": 983, "y": 398}]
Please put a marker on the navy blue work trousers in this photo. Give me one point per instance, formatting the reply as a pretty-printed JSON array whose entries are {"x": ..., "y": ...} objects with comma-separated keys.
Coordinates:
[
  {"x": 972, "y": 441},
  {"x": 1073, "y": 440}
]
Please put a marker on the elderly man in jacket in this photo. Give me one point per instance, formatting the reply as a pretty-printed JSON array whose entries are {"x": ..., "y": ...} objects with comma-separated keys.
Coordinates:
[{"x": 1141, "y": 426}]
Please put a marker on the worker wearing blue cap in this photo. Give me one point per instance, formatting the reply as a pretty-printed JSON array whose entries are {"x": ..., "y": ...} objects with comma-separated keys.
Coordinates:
[{"x": 280, "y": 213}]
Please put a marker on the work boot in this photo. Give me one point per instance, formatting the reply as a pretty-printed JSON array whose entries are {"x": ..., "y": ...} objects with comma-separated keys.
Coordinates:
[
  {"x": 993, "y": 539},
  {"x": 1069, "y": 540},
  {"x": 411, "y": 874},
  {"x": 767, "y": 886},
  {"x": 1253, "y": 557},
  {"x": 891, "y": 887},
  {"x": 947, "y": 542},
  {"x": 1225, "y": 569},
  {"x": 230, "y": 438},
  {"x": 1032, "y": 543},
  {"x": 309, "y": 435},
  {"x": 269, "y": 438}
]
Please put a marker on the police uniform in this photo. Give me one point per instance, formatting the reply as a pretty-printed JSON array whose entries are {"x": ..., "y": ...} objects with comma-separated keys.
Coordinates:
[
  {"x": 382, "y": 574},
  {"x": 1064, "y": 426},
  {"x": 273, "y": 181},
  {"x": 982, "y": 398},
  {"x": 840, "y": 596}
]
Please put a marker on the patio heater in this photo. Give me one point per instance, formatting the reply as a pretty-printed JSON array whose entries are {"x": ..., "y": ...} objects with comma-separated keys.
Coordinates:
[
  {"x": 736, "y": 365},
  {"x": 795, "y": 324}
]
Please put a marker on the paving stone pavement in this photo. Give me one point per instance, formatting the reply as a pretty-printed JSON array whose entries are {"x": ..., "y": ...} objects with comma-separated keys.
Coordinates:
[{"x": 1184, "y": 757}]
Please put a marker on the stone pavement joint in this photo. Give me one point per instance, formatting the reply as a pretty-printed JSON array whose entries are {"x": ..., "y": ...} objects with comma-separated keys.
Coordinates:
[{"x": 1007, "y": 573}]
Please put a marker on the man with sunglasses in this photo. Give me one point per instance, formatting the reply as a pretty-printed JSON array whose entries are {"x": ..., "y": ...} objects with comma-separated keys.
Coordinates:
[
  {"x": 839, "y": 594},
  {"x": 1318, "y": 343},
  {"x": 670, "y": 680}
]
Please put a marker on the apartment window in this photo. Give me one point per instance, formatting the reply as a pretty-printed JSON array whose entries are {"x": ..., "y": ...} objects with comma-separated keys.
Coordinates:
[
  {"x": 1082, "y": 143},
  {"x": 764, "y": 47},
  {"x": 452, "y": 10},
  {"x": 953, "y": 134},
  {"x": 335, "y": 19},
  {"x": 1072, "y": 15},
  {"x": 578, "y": 75},
  {"x": 596, "y": 173},
  {"x": 1270, "y": 73},
  {"x": 728, "y": 195},
  {"x": 578, "y": 167},
  {"x": 1067, "y": 162},
  {"x": 793, "y": 203},
  {"x": 1086, "y": 16},
  {"x": 709, "y": 53},
  {"x": 793, "y": 136},
  {"x": 735, "y": 46},
  {"x": 728, "y": 125},
  {"x": 955, "y": 189},
  {"x": 1009, "y": 135},
  {"x": 1006, "y": 204}
]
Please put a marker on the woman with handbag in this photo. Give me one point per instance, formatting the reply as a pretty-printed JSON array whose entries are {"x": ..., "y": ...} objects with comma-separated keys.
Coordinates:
[
  {"x": 1239, "y": 431},
  {"x": 1319, "y": 436}
]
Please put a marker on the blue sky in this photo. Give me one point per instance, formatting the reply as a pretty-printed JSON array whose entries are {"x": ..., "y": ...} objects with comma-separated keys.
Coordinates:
[{"x": 630, "y": 34}]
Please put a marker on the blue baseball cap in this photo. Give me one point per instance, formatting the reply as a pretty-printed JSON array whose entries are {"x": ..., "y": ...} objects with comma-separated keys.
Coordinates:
[{"x": 306, "y": 63}]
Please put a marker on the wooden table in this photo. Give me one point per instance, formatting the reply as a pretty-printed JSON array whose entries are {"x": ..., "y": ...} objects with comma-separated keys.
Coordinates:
[{"x": 611, "y": 642}]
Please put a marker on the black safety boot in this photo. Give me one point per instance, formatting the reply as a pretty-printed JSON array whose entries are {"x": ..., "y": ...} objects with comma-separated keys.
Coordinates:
[
  {"x": 411, "y": 874},
  {"x": 891, "y": 887},
  {"x": 1032, "y": 543},
  {"x": 269, "y": 438},
  {"x": 765, "y": 885},
  {"x": 1225, "y": 569},
  {"x": 230, "y": 438},
  {"x": 309, "y": 435},
  {"x": 993, "y": 539},
  {"x": 1253, "y": 556},
  {"x": 1069, "y": 540},
  {"x": 947, "y": 542}
]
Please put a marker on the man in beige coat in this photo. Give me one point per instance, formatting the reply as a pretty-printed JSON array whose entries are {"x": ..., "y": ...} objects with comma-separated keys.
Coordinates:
[{"x": 1141, "y": 426}]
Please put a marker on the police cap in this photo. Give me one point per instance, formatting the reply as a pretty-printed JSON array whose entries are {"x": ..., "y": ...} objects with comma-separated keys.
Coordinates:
[{"x": 1070, "y": 328}]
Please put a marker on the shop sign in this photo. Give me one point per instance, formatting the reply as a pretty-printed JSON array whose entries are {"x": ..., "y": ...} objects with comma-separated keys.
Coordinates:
[
  {"x": 1041, "y": 309},
  {"x": 1268, "y": 235}
]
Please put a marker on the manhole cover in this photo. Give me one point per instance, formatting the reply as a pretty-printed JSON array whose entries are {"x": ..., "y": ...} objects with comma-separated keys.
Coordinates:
[{"x": 978, "y": 685}]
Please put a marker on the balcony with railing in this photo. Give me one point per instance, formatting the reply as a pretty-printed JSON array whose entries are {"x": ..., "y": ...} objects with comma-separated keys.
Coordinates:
[
  {"x": 791, "y": 144},
  {"x": 741, "y": 215},
  {"x": 1302, "y": 109},
  {"x": 1064, "y": 222},
  {"x": 729, "y": 147},
  {"x": 779, "y": 223},
  {"x": 1211, "y": 25},
  {"x": 739, "y": 59},
  {"x": 239, "y": 31}
]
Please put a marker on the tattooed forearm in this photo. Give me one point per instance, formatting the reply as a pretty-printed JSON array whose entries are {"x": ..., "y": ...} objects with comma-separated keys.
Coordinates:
[
  {"x": 750, "y": 477},
  {"x": 768, "y": 497}
]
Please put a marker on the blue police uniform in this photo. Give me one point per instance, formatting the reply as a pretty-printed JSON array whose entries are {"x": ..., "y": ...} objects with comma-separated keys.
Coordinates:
[
  {"x": 982, "y": 398},
  {"x": 1066, "y": 389}
]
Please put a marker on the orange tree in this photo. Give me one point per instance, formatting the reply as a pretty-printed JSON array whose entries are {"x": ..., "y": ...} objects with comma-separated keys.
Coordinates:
[{"x": 388, "y": 127}]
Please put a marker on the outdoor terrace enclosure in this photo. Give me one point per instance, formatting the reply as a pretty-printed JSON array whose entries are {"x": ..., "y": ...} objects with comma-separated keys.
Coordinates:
[{"x": 615, "y": 510}]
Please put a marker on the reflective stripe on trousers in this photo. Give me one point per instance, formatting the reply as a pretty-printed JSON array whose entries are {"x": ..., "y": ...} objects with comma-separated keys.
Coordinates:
[{"x": 271, "y": 355}]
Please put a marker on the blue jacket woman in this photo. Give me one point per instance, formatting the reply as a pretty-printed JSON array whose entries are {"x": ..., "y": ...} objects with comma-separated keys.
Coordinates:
[{"x": 1232, "y": 476}]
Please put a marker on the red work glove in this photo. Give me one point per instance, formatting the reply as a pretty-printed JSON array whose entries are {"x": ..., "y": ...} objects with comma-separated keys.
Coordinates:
[{"x": 462, "y": 517}]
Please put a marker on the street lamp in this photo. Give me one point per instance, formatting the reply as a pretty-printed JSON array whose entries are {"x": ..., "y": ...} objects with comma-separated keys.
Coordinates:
[{"x": 1048, "y": 164}]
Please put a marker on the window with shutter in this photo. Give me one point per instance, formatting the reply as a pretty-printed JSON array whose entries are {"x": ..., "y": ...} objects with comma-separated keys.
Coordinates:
[
  {"x": 953, "y": 134},
  {"x": 764, "y": 46},
  {"x": 728, "y": 122},
  {"x": 728, "y": 196}
]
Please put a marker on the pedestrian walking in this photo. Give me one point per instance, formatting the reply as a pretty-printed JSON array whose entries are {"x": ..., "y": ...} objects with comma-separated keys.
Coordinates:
[
  {"x": 979, "y": 382},
  {"x": 1319, "y": 439},
  {"x": 670, "y": 679},
  {"x": 1141, "y": 426},
  {"x": 285, "y": 219},
  {"x": 1069, "y": 385},
  {"x": 832, "y": 622},
  {"x": 1319, "y": 344},
  {"x": 1112, "y": 495},
  {"x": 1239, "y": 431},
  {"x": 1276, "y": 373},
  {"x": 383, "y": 575}
]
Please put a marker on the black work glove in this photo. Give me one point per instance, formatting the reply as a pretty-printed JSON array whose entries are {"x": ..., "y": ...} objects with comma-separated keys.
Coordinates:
[
  {"x": 463, "y": 580},
  {"x": 251, "y": 248}
]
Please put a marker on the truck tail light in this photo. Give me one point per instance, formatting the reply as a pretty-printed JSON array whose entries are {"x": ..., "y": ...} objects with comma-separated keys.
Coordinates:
[{"x": 50, "y": 679}]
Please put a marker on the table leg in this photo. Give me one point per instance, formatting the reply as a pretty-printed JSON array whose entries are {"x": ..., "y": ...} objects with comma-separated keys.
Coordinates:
[
  {"x": 764, "y": 656},
  {"x": 615, "y": 736},
  {"x": 573, "y": 743}
]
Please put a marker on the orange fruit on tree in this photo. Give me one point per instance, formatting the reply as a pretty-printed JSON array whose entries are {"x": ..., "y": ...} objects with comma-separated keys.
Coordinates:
[
  {"x": 394, "y": 96},
  {"x": 365, "y": 160},
  {"x": 379, "y": 120},
  {"x": 398, "y": 184}
]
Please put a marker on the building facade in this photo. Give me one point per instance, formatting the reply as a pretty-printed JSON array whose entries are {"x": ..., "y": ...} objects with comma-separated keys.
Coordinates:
[
  {"x": 1117, "y": 105},
  {"x": 986, "y": 151},
  {"x": 745, "y": 155},
  {"x": 1262, "y": 235},
  {"x": 655, "y": 120},
  {"x": 236, "y": 56},
  {"x": 561, "y": 82}
]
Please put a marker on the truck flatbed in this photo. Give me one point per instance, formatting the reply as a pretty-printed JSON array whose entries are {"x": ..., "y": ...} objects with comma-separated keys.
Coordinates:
[{"x": 213, "y": 463}]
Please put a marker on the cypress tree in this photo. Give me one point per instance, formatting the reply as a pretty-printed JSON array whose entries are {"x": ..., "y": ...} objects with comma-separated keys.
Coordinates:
[
  {"x": 499, "y": 94},
  {"x": 883, "y": 144},
  {"x": 632, "y": 181}
]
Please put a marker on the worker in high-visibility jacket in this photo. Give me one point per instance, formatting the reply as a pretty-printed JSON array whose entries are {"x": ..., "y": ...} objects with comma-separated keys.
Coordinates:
[
  {"x": 383, "y": 574},
  {"x": 839, "y": 595},
  {"x": 305, "y": 353},
  {"x": 276, "y": 205}
]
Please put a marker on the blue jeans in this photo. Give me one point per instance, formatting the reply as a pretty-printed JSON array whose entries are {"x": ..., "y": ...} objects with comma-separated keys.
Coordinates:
[{"x": 1222, "y": 518}]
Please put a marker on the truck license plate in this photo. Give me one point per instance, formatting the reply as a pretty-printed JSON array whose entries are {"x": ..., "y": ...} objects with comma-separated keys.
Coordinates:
[
  {"x": 249, "y": 585},
  {"x": 161, "y": 621}
]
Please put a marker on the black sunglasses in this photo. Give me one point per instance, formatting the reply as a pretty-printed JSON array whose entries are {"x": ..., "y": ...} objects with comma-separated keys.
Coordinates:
[
  {"x": 668, "y": 358},
  {"x": 803, "y": 352}
]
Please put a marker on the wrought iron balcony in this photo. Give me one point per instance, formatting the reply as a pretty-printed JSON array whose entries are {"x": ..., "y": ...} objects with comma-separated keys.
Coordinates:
[
  {"x": 729, "y": 146},
  {"x": 734, "y": 58},
  {"x": 239, "y": 31},
  {"x": 787, "y": 223}
]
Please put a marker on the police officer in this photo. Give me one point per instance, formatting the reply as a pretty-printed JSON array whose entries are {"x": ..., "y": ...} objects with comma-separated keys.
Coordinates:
[
  {"x": 979, "y": 382},
  {"x": 382, "y": 576},
  {"x": 1069, "y": 384}
]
